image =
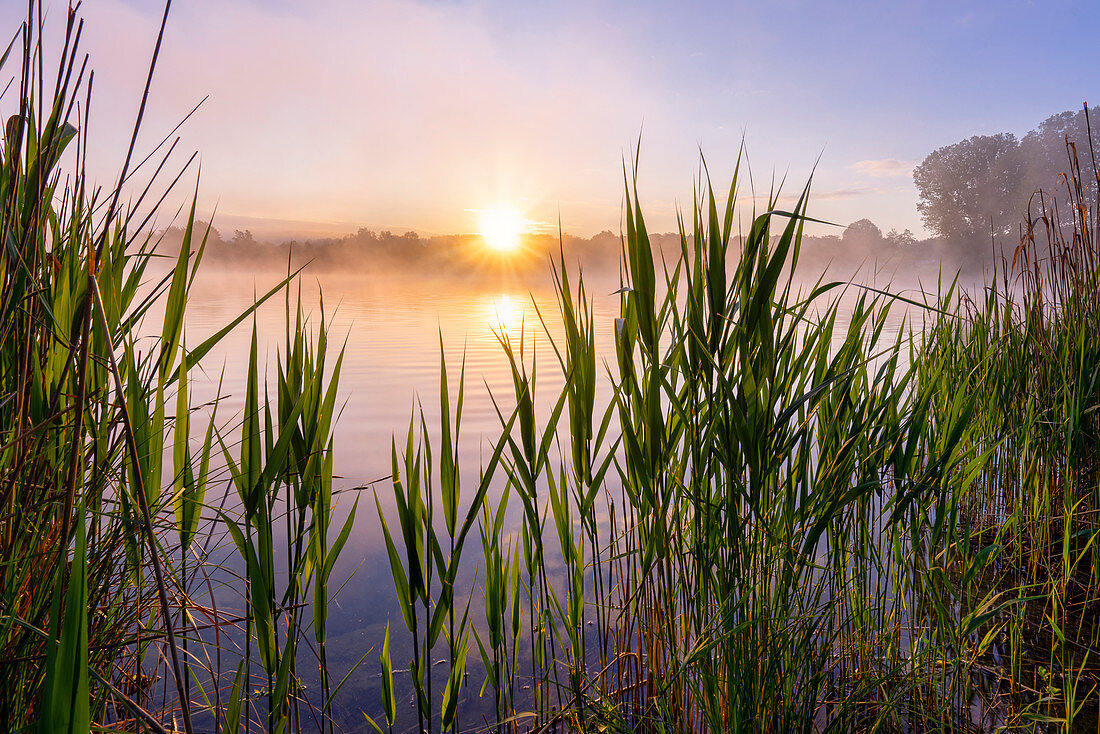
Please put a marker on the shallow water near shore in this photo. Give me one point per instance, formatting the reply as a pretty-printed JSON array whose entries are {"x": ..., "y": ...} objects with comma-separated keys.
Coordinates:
[{"x": 391, "y": 328}]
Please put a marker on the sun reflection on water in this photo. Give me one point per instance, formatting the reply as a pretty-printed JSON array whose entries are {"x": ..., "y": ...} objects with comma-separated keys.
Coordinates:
[{"x": 506, "y": 315}]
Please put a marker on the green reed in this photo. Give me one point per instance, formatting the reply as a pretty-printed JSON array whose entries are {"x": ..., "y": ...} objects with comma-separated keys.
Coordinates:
[
  {"x": 809, "y": 523},
  {"x": 107, "y": 562},
  {"x": 426, "y": 567},
  {"x": 760, "y": 512},
  {"x": 1028, "y": 352}
]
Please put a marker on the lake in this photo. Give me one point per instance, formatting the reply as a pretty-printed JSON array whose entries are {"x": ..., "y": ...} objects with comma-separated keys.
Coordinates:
[{"x": 390, "y": 326}]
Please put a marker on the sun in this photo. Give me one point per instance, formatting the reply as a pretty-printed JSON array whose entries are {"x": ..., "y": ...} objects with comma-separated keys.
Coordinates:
[{"x": 501, "y": 229}]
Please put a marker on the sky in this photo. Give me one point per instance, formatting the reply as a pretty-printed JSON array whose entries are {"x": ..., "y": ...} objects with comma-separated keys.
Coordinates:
[{"x": 324, "y": 116}]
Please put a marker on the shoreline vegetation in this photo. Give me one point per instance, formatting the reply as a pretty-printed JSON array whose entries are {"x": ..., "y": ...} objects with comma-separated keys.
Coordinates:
[
  {"x": 784, "y": 518},
  {"x": 859, "y": 246}
]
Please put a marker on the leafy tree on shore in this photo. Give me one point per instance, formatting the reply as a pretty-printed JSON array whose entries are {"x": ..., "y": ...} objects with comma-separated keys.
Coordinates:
[
  {"x": 978, "y": 187},
  {"x": 972, "y": 186}
]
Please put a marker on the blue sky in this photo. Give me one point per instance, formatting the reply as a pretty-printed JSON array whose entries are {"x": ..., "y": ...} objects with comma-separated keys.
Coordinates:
[{"x": 413, "y": 115}]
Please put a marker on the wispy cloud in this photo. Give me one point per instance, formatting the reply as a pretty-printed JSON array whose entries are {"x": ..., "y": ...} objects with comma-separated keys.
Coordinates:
[
  {"x": 843, "y": 193},
  {"x": 829, "y": 195},
  {"x": 885, "y": 167}
]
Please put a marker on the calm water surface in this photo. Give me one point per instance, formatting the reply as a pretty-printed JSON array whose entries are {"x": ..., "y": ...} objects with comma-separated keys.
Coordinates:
[{"x": 391, "y": 329}]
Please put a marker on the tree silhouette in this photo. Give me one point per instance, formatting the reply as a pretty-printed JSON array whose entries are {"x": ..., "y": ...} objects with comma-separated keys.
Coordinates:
[
  {"x": 862, "y": 231},
  {"x": 972, "y": 188},
  {"x": 1045, "y": 152},
  {"x": 981, "y": 187}
]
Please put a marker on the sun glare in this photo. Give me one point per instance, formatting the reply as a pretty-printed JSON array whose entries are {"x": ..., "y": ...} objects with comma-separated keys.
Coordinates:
[
  {"x": 501, "y": 229},
  {"x": 505, "y": 315}
]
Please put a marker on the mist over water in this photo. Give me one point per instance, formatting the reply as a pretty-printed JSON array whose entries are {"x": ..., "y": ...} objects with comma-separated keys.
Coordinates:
[
  {"x": 391, "y": 329},
  {"x": 391, "y": 318}
]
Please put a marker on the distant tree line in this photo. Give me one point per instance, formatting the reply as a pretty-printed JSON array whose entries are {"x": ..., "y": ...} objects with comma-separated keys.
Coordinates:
[
  {"x": 366, "y": 250},
  {"x": 978, "y": 190},
  {"x": 863, "y": 250},
  {"x": 861, "y": 246}
]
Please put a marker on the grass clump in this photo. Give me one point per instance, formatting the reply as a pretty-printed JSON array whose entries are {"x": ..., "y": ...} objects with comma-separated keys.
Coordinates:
[
  {"x": 791, "y": 512},
  {"x": 110, "y": 616},
  {"x": 1029, "y": 352}
]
